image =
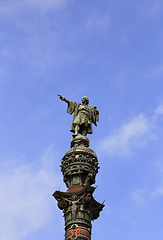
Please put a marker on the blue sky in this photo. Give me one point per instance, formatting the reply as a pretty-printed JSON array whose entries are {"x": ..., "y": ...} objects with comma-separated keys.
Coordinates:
[{"x": 112, "y": 52}]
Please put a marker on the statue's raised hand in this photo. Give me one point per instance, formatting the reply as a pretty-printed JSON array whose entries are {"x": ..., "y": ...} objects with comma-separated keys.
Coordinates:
[{"x": 61, "y": 97}]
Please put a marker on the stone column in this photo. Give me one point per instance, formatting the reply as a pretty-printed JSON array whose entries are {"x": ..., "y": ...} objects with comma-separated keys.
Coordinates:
[{"x": 79, "y": 167}]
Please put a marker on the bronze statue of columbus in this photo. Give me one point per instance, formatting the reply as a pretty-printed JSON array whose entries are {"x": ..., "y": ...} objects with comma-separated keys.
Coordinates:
[{"x": 84, "y": 116}]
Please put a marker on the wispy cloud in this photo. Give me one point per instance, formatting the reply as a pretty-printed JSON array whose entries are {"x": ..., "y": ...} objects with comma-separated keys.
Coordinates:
[
  {"x": 150, "y": 9},
  {"x": 152, "y": 187},
  {"x": 26, "y": 197},
  {"x": 130, "y": 134},
  {"x": 10, "y": 6},
  {"x": 98, "y": 22},
  {"x": 154, "y": 9},
  {"x": 134, "y": 133},
  {"x": 158, "y": 190},
  {"x": 46, "y": 5},
  {"x": 154, "y": 72},
  {"x": 158, "y": 111},
  {"x": 138, "y": 196},
  {"x": 152, "y": 191}
]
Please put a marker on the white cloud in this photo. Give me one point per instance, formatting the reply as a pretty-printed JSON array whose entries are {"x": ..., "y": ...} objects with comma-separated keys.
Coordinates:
[
  {"x": 134, "y": 133},
  {"x": 159, "y": 111},
  {"x": 26, "y": 197}
]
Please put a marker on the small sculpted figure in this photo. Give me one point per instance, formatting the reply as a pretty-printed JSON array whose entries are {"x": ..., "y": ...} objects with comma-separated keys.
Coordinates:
[
  {"x": 84, "y": 116},
  {"x": 73, "y": 203}
]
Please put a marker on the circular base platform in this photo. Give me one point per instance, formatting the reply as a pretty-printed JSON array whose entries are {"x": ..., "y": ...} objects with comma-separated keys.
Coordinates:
[{"x": 80, "y": 140}]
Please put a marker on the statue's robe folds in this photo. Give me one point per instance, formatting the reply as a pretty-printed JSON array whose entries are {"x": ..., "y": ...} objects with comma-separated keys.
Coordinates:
[{"x": 84, "y": 116}]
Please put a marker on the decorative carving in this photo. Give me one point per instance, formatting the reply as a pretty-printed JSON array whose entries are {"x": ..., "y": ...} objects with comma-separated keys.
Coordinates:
[
  {"x": 79, "y": 206},
  {"x": 62, "y": 204},
  {"x": 82, "y": 162}
]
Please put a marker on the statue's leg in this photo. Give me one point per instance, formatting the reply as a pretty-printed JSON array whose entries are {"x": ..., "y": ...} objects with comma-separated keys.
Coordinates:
[
  {"x": 77, "y": 127},
  {"x": 84, "y": 131}
]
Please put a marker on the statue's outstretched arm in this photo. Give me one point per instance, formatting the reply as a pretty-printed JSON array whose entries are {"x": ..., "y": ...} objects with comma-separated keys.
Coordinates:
[{"x": 63, "y": 98}]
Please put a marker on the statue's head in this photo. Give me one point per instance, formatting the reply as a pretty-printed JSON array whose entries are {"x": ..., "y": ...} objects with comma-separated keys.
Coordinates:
[{"x": 85, "y": 99}]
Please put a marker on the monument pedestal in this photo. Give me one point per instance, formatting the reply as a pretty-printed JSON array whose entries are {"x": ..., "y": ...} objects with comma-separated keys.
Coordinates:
[{"x": 79, "y": 167}]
